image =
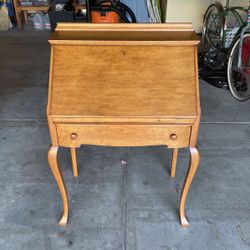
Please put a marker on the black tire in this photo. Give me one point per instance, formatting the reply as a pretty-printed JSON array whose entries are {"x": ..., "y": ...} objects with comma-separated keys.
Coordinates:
[
  {"x": 238, "y": 82},
  {"x": 213, "y": 24}
]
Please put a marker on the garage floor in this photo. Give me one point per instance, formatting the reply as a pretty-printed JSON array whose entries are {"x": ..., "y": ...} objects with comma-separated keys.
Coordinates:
[{"x": 123, "y": 197}]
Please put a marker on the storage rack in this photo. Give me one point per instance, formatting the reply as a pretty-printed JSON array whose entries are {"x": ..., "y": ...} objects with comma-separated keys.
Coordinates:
[{"x": 23, "y": 11}]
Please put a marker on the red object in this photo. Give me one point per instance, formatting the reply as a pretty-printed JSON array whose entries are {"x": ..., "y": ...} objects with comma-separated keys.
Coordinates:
[
  {"x": 246, "y": 55},
  {"x": 104, "y": 17}
]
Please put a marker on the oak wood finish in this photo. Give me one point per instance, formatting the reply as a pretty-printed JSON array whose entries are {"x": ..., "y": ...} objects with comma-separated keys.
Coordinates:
[
  {"x": 194, "y": 163},
  {"x": 124, "y": 85},
  {"x": 52, "y": 158},
  {"x": 121, "y": 134},
  {"x": 174, "y": 162},
  {"x": 25, "y": 13},
  {"x": 103, "y": 27},
  {"x": 74, "y": 161}
]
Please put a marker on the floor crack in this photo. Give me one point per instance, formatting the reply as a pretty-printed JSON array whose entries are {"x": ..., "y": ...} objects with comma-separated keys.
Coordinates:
[{"x": 125, "y": 185}]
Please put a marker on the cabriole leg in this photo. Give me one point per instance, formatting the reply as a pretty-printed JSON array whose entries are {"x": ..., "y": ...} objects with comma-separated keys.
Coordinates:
[
  {"x": 74, "y": 162},
  {"x": 194, "y": 163},
  {"x": 52, "y": 158},
  {"x": 25, "y": 13},
  {"x": 174, "y": 162}
]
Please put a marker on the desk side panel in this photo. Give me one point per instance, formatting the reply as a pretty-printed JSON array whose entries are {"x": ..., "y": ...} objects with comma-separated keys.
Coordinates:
[
  {"x": 52, "y": 128},
  {"x": 124, "y": 81}
]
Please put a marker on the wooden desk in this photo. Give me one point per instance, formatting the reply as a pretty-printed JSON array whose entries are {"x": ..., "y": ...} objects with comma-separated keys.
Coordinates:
[{"x": 123, "y": 85}]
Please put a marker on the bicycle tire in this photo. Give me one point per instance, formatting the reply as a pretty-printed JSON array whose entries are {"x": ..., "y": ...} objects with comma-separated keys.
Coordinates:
[
  {"x": 217, "y": 7},
  {"x": 233, "y": 55}
]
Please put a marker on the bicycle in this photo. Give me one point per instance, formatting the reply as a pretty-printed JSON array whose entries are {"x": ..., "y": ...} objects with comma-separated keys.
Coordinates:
[
  {"x": 238, "y": 66},
  {"x": 216, "y": 26},
  {"x": 224, "y": 32}
]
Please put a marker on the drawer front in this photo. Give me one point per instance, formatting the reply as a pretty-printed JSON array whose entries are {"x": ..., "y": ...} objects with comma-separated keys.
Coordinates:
[{"x": 123, "y": 135}]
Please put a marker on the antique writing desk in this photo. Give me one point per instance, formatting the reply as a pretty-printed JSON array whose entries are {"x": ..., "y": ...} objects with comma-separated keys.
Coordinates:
[{"x": 123, "y": 85}]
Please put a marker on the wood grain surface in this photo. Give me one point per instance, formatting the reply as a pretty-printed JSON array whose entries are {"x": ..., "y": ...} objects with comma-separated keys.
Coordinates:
[
  {"x": 114, "y": 80},
  {"x": 123, "y": 135}
]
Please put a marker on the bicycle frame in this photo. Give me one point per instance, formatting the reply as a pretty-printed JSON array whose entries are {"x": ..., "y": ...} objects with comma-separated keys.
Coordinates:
[
  {"x": 227, "y": 8},
  {"x": 235, "y": 12}
]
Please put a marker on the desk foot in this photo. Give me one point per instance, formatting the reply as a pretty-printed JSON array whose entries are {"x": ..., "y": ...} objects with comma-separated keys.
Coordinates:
[
  {"x": 194, "y": 163},
  {"x": 52, "y": 158},
  {"x": 64, "y": 220},
  {"x": 184, "y": 222},
  {"x": 74, "y": 162},
  {"x": 174, "y": 162}
]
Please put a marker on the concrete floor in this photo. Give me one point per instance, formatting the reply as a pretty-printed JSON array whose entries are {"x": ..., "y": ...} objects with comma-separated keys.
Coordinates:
[{"x": 115, "y": 206}]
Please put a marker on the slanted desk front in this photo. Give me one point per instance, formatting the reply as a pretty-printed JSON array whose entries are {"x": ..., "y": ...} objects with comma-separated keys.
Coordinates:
[{"x": 123, "y": 85}]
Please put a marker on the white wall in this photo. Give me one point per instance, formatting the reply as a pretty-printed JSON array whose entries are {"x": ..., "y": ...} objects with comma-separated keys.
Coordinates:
[
  {"x": 193, "y": 10},
  {"x": 235, "y": 2}
]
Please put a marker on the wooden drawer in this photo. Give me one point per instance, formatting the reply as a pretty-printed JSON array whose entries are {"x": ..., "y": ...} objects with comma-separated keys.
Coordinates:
[{"x": 123, "y": 135}]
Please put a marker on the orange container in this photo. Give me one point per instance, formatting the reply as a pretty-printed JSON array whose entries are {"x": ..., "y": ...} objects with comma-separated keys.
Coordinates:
[{"x": 104, "y": 17}]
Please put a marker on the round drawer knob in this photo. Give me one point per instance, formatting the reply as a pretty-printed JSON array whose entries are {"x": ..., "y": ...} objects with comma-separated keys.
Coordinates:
[
  {"x": 173, "y": 137},
  {"x": 73, "y": 136}
]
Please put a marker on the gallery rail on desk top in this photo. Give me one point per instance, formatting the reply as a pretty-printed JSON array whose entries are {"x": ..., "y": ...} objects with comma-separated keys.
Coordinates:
[{"x": 165, "y": 33}]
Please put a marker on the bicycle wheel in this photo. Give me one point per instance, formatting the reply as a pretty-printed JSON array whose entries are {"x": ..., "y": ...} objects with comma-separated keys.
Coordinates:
[
  {"x": 239, "y": 79},
  {"x": 212, "y": 30}
]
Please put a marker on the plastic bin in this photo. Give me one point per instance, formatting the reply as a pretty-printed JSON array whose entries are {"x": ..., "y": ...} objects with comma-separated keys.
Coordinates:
[{"x": 60, "y": 16}]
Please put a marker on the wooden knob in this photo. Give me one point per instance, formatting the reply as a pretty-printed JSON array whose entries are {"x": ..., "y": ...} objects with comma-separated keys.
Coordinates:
[
  {"x": 173, "y": 137},
  {"x": 73, "y": 136}
]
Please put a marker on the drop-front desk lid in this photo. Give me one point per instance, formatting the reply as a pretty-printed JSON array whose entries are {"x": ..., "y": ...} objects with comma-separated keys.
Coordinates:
[{"x": 124, "y": 70}]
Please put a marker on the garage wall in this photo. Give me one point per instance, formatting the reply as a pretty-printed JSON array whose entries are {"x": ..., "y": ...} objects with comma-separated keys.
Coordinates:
[
  {"x": 235, "y": 2},
  {"x": 193, "y": 10}
]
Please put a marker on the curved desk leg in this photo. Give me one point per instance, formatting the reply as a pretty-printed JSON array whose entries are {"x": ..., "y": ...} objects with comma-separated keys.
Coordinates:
[
  {"x": 25, "y": 13},
  {"x": 194, "y": 163},
  {"x": 174, "y": 162},
  {"x": 52, "y": 158},
  {"x": 74, "y": 162}
]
